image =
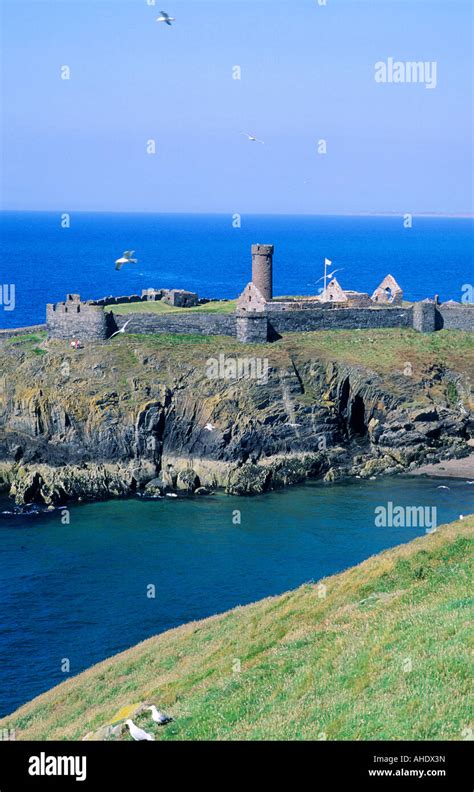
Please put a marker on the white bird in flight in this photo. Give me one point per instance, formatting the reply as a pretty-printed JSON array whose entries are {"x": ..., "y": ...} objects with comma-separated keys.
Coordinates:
[
  {"x": 330, "y": 274},
  {"x": 209, "y": 427},
  {"x": 138, "y": 734},
  {"x": 125, "y": 259},
  {"x": 253, "y": 139},
  {"x": 159, "y": 717},
  {"x": 122, "y": 329},
  {"x": 165, "y": 18}
]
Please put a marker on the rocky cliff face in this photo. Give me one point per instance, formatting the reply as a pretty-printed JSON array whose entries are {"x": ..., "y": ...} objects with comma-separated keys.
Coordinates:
[{"x": 129, "y": 417}]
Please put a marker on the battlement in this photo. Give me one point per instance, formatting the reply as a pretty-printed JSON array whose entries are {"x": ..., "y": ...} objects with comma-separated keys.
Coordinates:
[
  {"x": 73, "y": 319},
  {"x": 262, "y": 250},
  {"x": 73, "y": 309}
]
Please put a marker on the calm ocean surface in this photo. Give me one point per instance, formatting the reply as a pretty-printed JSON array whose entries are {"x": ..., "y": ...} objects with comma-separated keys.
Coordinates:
[
  {"x": 79, "y": 590},
  {"x": 206, "y": 254}
]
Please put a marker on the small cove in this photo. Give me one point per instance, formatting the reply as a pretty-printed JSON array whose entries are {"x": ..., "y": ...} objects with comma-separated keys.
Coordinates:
[{"x": 79, "y": 591}]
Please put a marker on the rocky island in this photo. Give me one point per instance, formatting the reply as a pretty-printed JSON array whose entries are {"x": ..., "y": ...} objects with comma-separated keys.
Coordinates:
[
  {"x": 164, "y": 393},
  {"x": 141, "y": 414}
]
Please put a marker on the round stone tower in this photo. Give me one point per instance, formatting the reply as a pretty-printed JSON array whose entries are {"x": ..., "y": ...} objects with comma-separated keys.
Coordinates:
[{"x": 262, "y": 269}]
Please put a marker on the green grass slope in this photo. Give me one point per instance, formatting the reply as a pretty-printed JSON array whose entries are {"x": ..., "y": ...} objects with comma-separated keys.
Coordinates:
[
  {"x": 383, "y": 655},
  {"x": 159, "y": 307},
  {"x": 382, "y": 350}
]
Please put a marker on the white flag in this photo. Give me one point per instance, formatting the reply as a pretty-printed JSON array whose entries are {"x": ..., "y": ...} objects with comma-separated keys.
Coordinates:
[{"x": 327, "y": 263}]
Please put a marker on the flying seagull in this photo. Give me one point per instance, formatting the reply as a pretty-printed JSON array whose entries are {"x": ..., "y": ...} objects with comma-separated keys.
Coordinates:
[
  {"x": 253, "y": 139},
  {"x": 330, "y": 274},
  {"x": 165, "y": 18},
  {"x": 209, "y": 427},
  {"x": 159, "y": 717},
  {"x": 122, "y": 329},
  {"x": 126, "y": 259},
  {"x": 138, "y": 734}
]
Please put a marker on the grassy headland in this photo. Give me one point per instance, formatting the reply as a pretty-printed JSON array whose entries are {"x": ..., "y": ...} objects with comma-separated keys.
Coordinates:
[
  {"x": 380, "y": 653},
  {"x": 382, "y": 350},
  {"x": 159, "y": 307}
]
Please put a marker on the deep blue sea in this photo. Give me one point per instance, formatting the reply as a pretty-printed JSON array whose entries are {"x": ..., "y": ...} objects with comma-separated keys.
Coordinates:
[
  {"x": 78, "y": 591},
  {"x": 204, "y": 253}
]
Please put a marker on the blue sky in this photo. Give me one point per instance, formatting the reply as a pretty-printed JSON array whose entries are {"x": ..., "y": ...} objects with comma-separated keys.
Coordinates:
[{"x": 307, "y": 74}]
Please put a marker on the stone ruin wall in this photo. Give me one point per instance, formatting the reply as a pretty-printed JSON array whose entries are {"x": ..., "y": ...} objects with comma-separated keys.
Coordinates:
[
  {"x": 93, "y": 323},
  {"x": 79, "y": 320},
  {"x": 187, "y": 324},
  {"x": 255, "y": 319},
  {"x": 339, "y": 319},
  {"x": 11, "y": 332},
  {"x": 455, "y": 317}
]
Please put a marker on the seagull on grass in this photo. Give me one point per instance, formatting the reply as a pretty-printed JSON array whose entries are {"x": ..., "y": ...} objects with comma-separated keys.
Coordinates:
[
  {"x": 125, "y": 259},
  {"x": 165, "y": 18},
  {"x": 159, "y": 717},
  {"x": 253, "y": 139},
  {"x": 122, "y": 329},
  {"x": 138, "y": 734}
]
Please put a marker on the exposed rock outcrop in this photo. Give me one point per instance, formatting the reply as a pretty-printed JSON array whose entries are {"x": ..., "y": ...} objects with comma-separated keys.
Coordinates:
[{"x": 124, "y": 419}]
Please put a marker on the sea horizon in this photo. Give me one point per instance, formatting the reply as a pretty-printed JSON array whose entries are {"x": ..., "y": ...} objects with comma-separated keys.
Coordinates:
[
  {"x": 387, "y": 213},
  {"x": 209, "y": 255}
]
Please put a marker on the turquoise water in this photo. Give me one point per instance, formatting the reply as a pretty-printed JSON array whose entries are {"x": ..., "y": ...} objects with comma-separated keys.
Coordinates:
[
  {"x": 78, "y": 591},
  {"x": 206, "y": 254}
]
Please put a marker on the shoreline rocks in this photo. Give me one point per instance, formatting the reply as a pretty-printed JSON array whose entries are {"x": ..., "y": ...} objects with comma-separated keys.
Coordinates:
[
  {"x": 53, "y": 486},
  {"x": 86, "y": 428}
]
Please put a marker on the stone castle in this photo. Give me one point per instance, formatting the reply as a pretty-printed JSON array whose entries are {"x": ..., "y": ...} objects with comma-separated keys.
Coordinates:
[{"x": 259, "y": 317}]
